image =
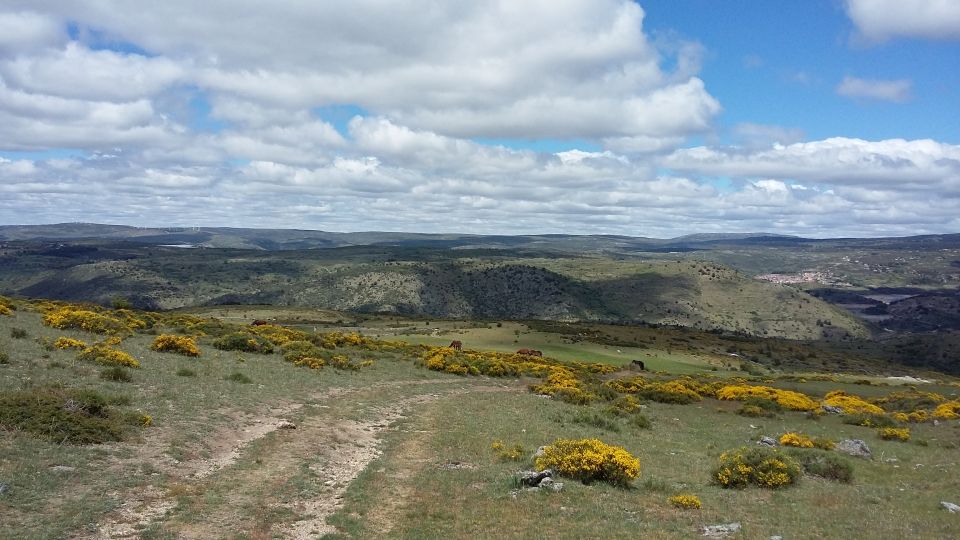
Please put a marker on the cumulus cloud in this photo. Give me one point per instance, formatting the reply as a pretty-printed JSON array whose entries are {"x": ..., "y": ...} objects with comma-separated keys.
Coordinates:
[
  {"x": 219, "y": 113},
  {"x": 897, "y": 91},
  {"x": 879, "y": 20}
]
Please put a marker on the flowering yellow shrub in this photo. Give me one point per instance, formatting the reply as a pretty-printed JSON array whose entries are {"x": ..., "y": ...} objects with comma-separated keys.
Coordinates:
[
  {"x": 786, "y": 398},
  {"x": 562, "y": 384},
  {"x": 5, "y": 310},
  {"x": 850, "y": 404},
  {"x": 948, "y": 410},
  {"x": 796, "y": 439},
  {"x": 909, "y": 400},
  {"x": 105, "y": 355},
  {"x": 88, "y": 321},
  {"x": 187, "y": 346},
  {"x": 310, "y": 362},
  {"x": 761, "y": 466},
  {"x": 6, "y": 306},
  {"x": 588, "y": 460},
  {"x": 824, "y": 443},
  {"x": 914, "y": 417},
  {"x": 687, "y": 502},
  {"x": 69, "y": 343},
  {"x": 278, "y": 335},
  {"x": 894, "y": 434}
]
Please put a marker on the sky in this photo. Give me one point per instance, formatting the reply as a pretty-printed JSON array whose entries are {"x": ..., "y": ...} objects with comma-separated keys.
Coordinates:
[{"x": 819, "y": 118}]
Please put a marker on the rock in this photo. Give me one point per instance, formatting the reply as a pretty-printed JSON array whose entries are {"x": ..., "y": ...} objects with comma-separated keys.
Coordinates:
[
  {"x": 286, "y": 424},
  {"x": 854, "y": 447},
  {"x": 832, "y": 409},
  {"x": 540, "y": 451},
  {"x": 548, "y": 483},
  {"x": 776, "y": 538},
  {"x": 767, "y": 441},
  {"x": 953, "y": 508},
  {"x": 62, "y": 468},
  {"x": 721, "y": 531},
  {"x": 534, "y": 478},
  {"x": 4, "y": 488}
]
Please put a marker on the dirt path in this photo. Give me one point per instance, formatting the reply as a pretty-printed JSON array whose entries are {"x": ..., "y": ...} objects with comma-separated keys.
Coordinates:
[{"x": 251, "y": 466}]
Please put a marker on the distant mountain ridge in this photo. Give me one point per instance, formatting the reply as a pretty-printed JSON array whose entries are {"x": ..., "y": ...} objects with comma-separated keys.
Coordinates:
[{"x": 298, "y": 239}]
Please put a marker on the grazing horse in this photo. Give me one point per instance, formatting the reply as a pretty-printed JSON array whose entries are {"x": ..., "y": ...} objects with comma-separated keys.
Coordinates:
[
  {"x": 530, "y": 352},
  {"x": 259, "y": 322},
  {"x": 639, "y": 364},
  {"x": 456, "y": 345}
]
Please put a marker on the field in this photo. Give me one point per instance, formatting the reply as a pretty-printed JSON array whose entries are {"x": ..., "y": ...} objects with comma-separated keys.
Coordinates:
[{"x": 394, "y": 449}]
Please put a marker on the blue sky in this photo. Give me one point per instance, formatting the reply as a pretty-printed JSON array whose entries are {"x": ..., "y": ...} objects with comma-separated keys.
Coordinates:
[{"x": 657, "y": 118}]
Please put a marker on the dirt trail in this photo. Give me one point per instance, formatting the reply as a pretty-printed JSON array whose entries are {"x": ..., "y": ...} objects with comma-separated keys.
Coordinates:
[{"x": 336, "y": 450}]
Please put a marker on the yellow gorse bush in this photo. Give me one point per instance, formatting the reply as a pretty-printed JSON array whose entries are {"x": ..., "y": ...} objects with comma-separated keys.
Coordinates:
[
  {"x": 796, "y": 439},
  {"x": 103, "y": 354},
  {"x": 948, "y": 410},
  {"x": 786, "y": 398},
  {"x": 187, "y": 346},
  {"x": 588, "y": 460},
  {"x": 894, "y": 434},
  {"x": 760, "y": 466},
  {"x": 69, "y": 343},
  {"x": 850, "y": 404},
  {"x": 687, "y": 502},
  {"x": 90, "y": 321}
]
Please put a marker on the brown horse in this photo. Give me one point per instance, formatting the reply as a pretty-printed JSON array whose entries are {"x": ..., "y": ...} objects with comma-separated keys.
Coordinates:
[
  {"x": 456, "y": 345},
  {"x": 530, "y": 352},
  {"x": 259, "y": 322}
]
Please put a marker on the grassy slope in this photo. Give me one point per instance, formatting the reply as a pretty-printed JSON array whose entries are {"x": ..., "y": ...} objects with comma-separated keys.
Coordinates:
[{"x": 408, "y": 492}]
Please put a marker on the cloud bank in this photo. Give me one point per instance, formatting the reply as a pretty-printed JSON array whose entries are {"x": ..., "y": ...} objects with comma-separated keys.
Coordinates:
[{"x": 394, "y": 117}]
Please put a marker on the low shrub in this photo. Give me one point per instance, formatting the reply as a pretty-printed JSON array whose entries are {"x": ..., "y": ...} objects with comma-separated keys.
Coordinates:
[
  {"x": 850, "y": 404},
  {"x": 787, "y": 399},
  {"x": 590, "y": 418},
  {"x": 103, "y": 354},
  {"x": 186, "y": 372},
  {"x": 910, "y": 400},
  {"x": 894, "y": 434},
  {"x": 759, "y": 407},
  {"x": 670, "y": 392},
  {"x": 69, "y": 343},
  {"x": 686, "y": 502},
  {"x": 511, "y": 453},
  {"x": 761, "y": 466},
  {"x": 240, "y": 341},
  {"x": 625, "y": 406},
  {"x": 90, "y": 321},
  {"x": 825, "y": 465},
  {"x": 116, "y": 374},
  {"x": 4, "y": 357},
  {"x": 65, "y": 416},
  {"x": 639, "y": 421},
  {"x": 590, "y": 460},
  {"x": 183, "y": 345},
  {"x": 238, "y": 377},
  {"x": 797, "y": 440},
  {"x": 947, "y": 411},
  {"x": 18, "y": 333},
  {"x": 823, "y": 443}
]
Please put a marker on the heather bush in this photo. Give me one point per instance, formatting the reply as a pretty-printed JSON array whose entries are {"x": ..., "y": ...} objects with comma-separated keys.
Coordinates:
[
  {"x": 240, "y": 341},
  {"x": 825, "y": 465},
  {"x": 65, "y": 416}
]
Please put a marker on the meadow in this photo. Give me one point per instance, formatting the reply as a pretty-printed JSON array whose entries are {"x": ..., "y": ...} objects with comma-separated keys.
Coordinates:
[{"x": 372, "y": 428}]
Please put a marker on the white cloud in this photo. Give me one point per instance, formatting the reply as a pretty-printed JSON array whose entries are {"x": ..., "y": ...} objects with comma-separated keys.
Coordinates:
[
  {"x": 25, "y": 30},
  {"x": 897, "y": 91},
  {"x": 879, "y": 20}
]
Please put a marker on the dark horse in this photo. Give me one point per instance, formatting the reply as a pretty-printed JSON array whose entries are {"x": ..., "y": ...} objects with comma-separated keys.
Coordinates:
[
  {"x": 259, "y": 322},
  {"x": 639, "y": 364},
  {"x": 530, "y": 352},
  {"x": 456, "y": 345}
]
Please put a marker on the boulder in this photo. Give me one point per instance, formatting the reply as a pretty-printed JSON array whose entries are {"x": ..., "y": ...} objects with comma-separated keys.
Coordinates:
[
  {"x": 950, "y": 506},
  {"x": 767, "y": 441},
  {"x": 286, "y": 424},
  {"x": 534, "y": 478},
  {"x": 721, "y": 531},
  {"x": 854, "y": 447},
  {"x": 832, "y": 409}
]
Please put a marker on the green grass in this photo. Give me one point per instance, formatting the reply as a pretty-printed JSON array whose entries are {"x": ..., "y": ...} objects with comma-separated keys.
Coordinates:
[{"x": 58, "y": 490}]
